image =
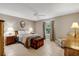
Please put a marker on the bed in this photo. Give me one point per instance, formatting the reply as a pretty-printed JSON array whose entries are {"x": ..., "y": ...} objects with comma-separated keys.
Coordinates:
[
  {"x": 33, "y": 40},
  {"x": 18, "y": 49},
  {"x": 28, "y": 40}
]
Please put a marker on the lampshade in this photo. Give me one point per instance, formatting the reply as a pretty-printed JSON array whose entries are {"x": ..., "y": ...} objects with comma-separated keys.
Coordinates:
[
  {"x": 75, "y": 25},
  {"x": 30, "y": 30},
  {"x": 10, "y": 31}
]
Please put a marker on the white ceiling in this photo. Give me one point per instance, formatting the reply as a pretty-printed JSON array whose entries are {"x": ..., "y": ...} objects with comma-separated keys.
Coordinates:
[{"x": 38, "y": 11}]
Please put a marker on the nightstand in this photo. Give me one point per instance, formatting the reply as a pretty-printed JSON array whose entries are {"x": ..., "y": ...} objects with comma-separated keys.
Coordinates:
[{"x": 10, "y": 40}]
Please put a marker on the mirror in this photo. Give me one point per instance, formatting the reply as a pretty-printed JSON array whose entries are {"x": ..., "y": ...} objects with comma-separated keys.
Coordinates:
[{"x": 22, "y": 24}]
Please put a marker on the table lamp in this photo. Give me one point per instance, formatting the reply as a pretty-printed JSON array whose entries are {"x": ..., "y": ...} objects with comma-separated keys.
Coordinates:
[
  {"x": 75, "y": 26},
  {"x": 10, "y": 31},
  {"x": 30, "y": 30}
]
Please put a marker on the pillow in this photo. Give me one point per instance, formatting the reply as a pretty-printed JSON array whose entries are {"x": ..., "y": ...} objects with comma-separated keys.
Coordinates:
[
  {"x": 10, "y": 40},
  {"x": 21, "y": 35}
]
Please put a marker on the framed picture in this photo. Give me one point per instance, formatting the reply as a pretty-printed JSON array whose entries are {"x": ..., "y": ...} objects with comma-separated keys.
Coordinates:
[{"x": 22, "y": 24}]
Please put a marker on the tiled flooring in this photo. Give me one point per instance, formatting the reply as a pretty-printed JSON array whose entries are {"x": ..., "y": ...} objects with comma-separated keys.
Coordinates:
[{"x": 49, "y": 49}]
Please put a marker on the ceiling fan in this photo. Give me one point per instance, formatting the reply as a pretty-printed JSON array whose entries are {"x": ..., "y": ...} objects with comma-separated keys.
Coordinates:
[{"x": 38, "y": 14}]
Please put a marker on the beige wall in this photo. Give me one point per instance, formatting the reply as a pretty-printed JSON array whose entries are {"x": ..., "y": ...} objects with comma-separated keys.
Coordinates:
[
  {"x": 39, "y": 28},
  {"x": 63, "y": 24},
  {"x": 11, "y": 21}
]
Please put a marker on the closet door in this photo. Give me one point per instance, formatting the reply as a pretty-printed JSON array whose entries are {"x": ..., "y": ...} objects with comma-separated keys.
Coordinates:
[{"x": 1, "y": 37}]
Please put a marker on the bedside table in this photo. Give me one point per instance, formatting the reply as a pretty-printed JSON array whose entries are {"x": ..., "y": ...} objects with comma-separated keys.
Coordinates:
[{"x": 10, "y": 40}]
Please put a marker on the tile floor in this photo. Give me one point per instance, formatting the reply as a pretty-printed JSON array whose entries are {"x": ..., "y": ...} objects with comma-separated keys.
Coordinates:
[{"x": 49, "y": 49}]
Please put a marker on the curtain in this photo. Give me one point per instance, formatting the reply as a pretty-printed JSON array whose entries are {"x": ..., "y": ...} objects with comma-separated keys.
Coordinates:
[
  {"x": 52, "y": 33},
  {"x": 44, "y": 29}
]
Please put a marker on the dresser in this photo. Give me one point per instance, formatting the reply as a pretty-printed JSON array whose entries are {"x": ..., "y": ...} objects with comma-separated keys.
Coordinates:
[
  {"x": 71, "y": 51},
  {"x": 1, "y": 37},
  {"x": 71, "y": 47}
]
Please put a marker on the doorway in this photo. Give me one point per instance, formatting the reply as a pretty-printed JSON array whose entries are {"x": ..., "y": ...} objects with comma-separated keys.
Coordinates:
[{"x": 47, "y": 29}]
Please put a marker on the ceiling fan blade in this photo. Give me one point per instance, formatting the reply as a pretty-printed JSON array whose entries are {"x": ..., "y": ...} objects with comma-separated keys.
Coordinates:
[
  {"x": 41, "y": 15},
  {"x": 37, "y": 14}
]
